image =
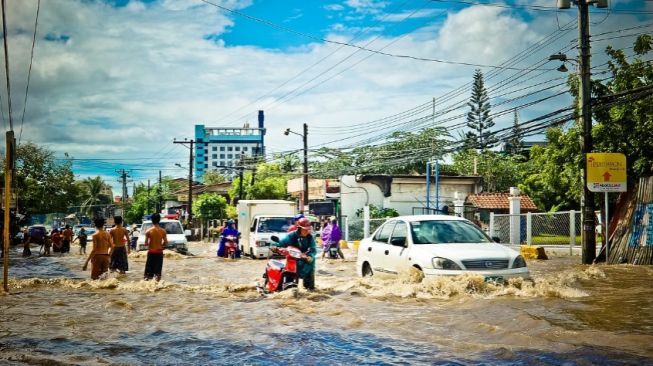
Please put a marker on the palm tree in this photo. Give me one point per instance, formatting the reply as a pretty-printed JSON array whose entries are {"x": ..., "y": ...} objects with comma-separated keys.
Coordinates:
[{"x": 94, "y": 194}]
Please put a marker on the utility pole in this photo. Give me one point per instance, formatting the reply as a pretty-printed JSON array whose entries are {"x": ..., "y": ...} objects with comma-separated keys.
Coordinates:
[
  {"x": 589, "y": 238},
  {"x": 190, "y": 176},
  {"x": 123, "y": 178},
  {"x": 305, "y": 138},
  {"x": 10, "y": 159},
  {"x": 148, "y": 197},
  {"x": 241, "y": 170},
  {"x": 159, "y": 196}
]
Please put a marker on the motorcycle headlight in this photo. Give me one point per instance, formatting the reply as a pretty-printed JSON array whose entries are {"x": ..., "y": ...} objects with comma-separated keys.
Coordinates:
[
  {"x": 444, "y": 263},
  {"x": 519, "y": 262}
]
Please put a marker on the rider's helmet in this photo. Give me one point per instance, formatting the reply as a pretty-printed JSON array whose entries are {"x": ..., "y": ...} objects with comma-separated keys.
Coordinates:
[
  {"x": 230, "y": 222},
  {"x": 298, "y": 217},
  {"x": 304, "y": 223}
]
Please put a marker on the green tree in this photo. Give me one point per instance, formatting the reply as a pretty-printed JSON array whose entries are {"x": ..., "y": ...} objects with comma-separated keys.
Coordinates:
[
  {"x": 515, "y": 143},
  {"x": 552, "y": 177},
  {"x": 43, "y": 184},
  {"x": 210, "y": 206},
  {"x": 403, "y": 153},
  {"x": 94, "y": 195},
  {"x": 499, "y": 172},
  {"x": 378, "y": 213},
  {"x": 627, "y": 126},
  {"x": 270, "y": 183},
  {"x": 213, "y": 177},
  {"x": 478, "y": 118}
]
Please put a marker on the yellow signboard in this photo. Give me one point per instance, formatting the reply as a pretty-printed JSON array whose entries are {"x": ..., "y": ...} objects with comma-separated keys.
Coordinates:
[{"x": 606, "y": 172}]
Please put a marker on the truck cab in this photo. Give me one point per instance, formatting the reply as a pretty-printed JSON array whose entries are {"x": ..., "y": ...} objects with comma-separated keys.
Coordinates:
[
  {"x": 258, "y": 220},
  {"x": 261, "y": 231}
]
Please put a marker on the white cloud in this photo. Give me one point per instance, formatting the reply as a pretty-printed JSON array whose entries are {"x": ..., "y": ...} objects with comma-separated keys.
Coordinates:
[{"x": 334, "y": 7}]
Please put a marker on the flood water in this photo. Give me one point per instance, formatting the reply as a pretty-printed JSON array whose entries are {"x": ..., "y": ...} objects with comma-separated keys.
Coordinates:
[{"x": 208, "y": 311}]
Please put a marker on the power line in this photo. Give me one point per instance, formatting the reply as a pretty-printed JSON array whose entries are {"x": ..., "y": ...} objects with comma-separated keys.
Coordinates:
[
  {"x": 359, "y": 33},
  {"x": 319, "y": 39},
  {"x": 29, "y": 72}
]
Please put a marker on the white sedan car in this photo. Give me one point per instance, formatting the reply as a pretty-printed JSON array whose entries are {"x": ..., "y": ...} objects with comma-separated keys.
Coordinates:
[{"x": 437, "y": 245}]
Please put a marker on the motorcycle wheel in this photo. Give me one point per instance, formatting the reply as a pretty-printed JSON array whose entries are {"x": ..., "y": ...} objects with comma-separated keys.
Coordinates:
[{"x": 232, "y": 255}]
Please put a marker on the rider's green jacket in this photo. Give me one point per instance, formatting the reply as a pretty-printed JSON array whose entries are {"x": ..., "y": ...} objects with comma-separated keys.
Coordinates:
[{"x": 306, "y": 245}]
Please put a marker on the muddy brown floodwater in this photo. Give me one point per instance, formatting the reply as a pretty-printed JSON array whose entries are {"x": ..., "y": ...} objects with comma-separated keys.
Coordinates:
[{"x": 208, "y": 311}]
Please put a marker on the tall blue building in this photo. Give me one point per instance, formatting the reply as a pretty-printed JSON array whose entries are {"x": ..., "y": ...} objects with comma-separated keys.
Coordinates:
[{"x": 222, "y": 148}]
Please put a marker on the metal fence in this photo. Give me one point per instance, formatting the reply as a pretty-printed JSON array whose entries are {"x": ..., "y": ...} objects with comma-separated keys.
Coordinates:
[{"x": 557, "y": 228}]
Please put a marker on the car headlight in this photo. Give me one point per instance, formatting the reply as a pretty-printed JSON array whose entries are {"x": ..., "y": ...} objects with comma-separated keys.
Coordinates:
[
  {"x": 261, "y": 243},
  {"x": 444, "y": 263},
  {"x": 519, "y": 262}
]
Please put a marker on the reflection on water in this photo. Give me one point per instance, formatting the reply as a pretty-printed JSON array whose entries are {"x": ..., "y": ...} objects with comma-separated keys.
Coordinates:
[{"x": 207, "y": 310}]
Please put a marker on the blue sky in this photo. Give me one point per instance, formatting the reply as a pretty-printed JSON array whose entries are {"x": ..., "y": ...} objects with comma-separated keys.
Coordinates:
[{"x": 121, "y": 79}]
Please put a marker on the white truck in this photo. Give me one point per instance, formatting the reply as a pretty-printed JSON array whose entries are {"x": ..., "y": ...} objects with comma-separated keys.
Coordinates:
[{"x": 258, "y": 220}]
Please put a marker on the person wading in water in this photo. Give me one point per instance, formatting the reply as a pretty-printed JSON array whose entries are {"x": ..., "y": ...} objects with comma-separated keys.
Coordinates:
[
  {"x": 99, "y": 256},
  {"x": 119, "y": 249},
  {"x": 156, "y": 240}
]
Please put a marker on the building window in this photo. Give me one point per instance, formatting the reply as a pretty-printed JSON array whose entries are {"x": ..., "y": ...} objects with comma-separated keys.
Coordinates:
[
  {"x": 221, "y": 157},
  {"x": 221, "y": 148},
  {"x": 206, "y": 165},
  {"x": 237, "y": 148},
  {"x": 215, "y": 148},
  {"x": 215, "y": 163},
  {"x": 245, "y": 149},
  {"x": 221, "y": 163},
  {"x": 215, "y": 156},
  {"x": 230, "y": 148},
  {"x": 230, "y": 156}
]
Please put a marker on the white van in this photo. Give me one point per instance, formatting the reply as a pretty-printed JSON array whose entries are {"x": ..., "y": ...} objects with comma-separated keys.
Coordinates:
[{"x": 176, "y": 236}]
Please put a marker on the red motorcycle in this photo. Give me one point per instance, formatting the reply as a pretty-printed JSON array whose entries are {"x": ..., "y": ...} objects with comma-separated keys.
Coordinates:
[
  {"x": 230, "y": 246},
  {"x": 282, "y": 275}
]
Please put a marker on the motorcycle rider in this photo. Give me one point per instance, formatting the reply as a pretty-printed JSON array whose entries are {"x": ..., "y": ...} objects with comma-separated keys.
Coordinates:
[
  {"x": 302, "y": 239},
  {"x": 295, "y": 218},
  {"x": 331, "y": 235},
  {"x": 229, "y": 230}
]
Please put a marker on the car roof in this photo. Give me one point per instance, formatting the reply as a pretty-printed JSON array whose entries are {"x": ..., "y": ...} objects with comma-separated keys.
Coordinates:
[
  {"x": 412, "y": 218},
  {"x": 162, "y": 220}
]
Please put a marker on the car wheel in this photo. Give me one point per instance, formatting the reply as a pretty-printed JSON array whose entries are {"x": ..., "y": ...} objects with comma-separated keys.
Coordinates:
[{"x": 367, "y": 270}]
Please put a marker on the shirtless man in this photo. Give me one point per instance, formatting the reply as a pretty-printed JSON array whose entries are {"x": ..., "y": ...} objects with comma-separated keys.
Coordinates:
[
  {"x": 67, "y": 235},
  {"x": 156, "y": 240},
  {"x": 99, "y": 256},
  {"x": 119, "y": 249}
]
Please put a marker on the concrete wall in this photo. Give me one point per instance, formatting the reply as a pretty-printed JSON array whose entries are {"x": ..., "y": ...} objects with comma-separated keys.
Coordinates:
[{"x": 406, "y": 193}]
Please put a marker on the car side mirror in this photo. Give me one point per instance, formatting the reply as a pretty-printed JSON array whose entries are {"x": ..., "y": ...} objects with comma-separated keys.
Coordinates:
[
  {"x": 398, "y": 242},
  {"x": 187, "y": 232},
  {"x": 496, "y": 239},
  {"x": 274, "y": 238}
]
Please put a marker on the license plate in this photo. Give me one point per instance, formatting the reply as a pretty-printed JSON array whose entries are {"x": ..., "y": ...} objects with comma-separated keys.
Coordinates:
[{"x": 495, "y": 279}]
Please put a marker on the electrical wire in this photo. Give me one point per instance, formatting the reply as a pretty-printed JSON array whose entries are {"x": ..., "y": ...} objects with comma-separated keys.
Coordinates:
[
  {"x": 378, "y": 52},
  {"x": 29, "y": 72}
]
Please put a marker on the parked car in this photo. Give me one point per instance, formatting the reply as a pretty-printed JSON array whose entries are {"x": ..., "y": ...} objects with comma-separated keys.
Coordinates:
[
  {"x": 437, "y": 245},
  {"x": 176, "y": 236}
]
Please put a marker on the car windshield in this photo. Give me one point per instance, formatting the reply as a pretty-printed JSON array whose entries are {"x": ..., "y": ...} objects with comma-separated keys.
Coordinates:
[
  {"x": 274, "y": 224},
  {"x": 171, "y": 227},
  {"x": 446, "y": 231}
]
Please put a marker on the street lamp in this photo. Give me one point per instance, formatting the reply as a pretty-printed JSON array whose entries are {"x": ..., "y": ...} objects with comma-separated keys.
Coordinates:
[{"x": 305, "y": 175}]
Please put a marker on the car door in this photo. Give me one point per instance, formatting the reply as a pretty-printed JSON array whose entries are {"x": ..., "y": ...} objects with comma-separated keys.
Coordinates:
[
  {"x": 379, "y": 247},
  {"x": 396, "y": 255}
]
